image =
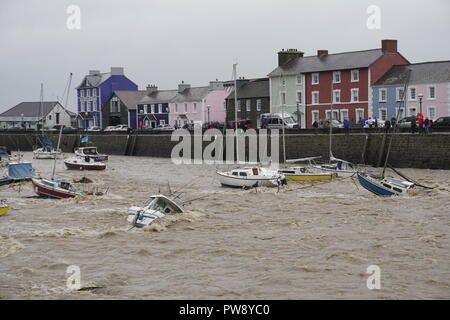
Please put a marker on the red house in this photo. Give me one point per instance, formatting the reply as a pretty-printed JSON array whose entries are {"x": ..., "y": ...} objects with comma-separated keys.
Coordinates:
[{"x": 344, "y": 77}]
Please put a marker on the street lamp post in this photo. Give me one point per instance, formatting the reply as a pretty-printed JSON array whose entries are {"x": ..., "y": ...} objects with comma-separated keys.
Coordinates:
[
  {"x": 298, "y": 115},
  {"x": 23, "y": 126},
  {"x": 208, "y": 107},
  {"x": 420, "y": 102}
]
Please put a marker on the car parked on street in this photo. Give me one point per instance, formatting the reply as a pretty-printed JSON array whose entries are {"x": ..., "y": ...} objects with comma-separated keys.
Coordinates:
[
  {"x": 442, "y": 122},
  {"x": 335, "y": 123},
  {"x": 110, "y": 128},
  {"x": 405, "y": 122},
  {"x": 94, "y": 129}
]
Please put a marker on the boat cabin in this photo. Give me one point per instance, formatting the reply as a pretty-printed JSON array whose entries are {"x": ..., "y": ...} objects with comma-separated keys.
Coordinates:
[{"x": 161, "y": 204}]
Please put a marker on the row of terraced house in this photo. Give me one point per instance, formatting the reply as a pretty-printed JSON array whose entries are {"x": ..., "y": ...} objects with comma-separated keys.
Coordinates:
[{"x": 350, "y": 85}]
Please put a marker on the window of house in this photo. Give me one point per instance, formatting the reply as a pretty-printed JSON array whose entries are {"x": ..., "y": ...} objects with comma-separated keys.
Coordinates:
[
  {"x": 194, "y": 107},
  {"x": 81, "y": 93},
  {"x": 382, "y": 95},
  {"x": 95, "y": 105},
  {"x": 331, "y": 114},
  {"x": 359, "y": 114},
  {"x": 383, "y": 113},
  {"x": 412, "y": 111},
  {"x": 176, "y": 108},
  {"x": 399, "y": 94},
  {"x": 344, "y": 114},
  {"x": 299, "y": 79},
  {"x": 315, "y": 115},
  {"x": 355, "y": 95},
  {"x": 315, "y": 97},
  {"x": 337, "y": 77},
  {"x": 299, "y": 97},
  {"x": 91, "y": 104},
  {"x": 432, "y": 113},
  {"x": 355, "y": 75},
  {"x": 399, "y": 114},
  {"x": 224, "y": 105},
  {"x": 85, "y": 106},
  {"x": 114, "y": 105},
  {"x": 412, "y": 94},
  {"x": 315, "y": 78},
  {"x": 185, "y": 108},
  {"x": 57, "y": 117},
  {"x": 283, "y": 98},
  {"x": 49, "y": 117},
  {"x": 248, "y": 104},
  {"x": 431, "y": 92},
  {"x": 258, "y": 105},
  {"x": 163, "y": 122},
  {"x": 239, "y": 105},
  {"x": 283, "y": 81},
  {"x": 336, "y": 96}
]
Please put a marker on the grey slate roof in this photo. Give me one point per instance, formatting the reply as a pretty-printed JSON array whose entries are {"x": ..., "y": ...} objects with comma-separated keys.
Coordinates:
[
  {"x": 159, "y": 96},
  {"x": 130, "y": 98},
  {"x": 192, "y": 94},
  {"x": 425, "y": 72},
  {"x": 30, "y": 109},
  {"x": 94, "y": 80},
  {"x": 334, "y": 61},
  {"x": 257, "y": 88}
]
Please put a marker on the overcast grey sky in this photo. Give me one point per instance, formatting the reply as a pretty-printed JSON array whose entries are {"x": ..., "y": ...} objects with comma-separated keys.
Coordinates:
[{"x": 165, "y": 41}]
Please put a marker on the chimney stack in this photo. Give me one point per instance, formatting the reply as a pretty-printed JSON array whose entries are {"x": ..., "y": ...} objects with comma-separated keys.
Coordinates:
[
  {"x": 322, "y": 53},
  {"x": 94, "y": 72},
  {"x": 389, "y": 45},
  {"x": 151, "y": 88},
  {"x": 286, "y": 56},
  {"x": 117, "y": 71},
  {"x": 183, "y": 86}
]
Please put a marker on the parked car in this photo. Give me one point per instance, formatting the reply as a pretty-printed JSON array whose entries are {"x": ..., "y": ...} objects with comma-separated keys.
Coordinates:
[
  {"x": 69, "y": 129},
  {"x": 110, "y": 128},
  {"x": 335, "y": 123},
  {"x": 371, "y": 121},
  {"x": 405, "y": 122},
  {"x": 442, "y": 122},
  {"x": 164, "y": 127},
  {"x": 122, "y": 127},
  {"x": 94, "y": 129}
]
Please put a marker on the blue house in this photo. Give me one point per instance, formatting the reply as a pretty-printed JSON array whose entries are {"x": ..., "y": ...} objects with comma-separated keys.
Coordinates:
[
  {"x": 153, "y": 109},
  {"x": 95, "y": 90},
  {"x": 387, "y": 94}
]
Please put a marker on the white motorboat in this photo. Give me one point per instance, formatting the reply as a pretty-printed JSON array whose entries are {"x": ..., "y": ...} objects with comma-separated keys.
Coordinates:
[
  {"x": 251, "y": 177},
  {"x": 90, "y": 152},
  {"x": 157, "y": 206},
  {"x": 47, "y": 152},
  {"x": 342, "y": 168},
  {"x": 79, "y": 163}
]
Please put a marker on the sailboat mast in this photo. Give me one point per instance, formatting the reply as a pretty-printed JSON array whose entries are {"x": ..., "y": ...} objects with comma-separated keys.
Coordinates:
[
  {"x": 235, "y": 111},
  {"x": 405, "y": 88},
  {"x": 41, "y": 109},
  {"x": 283, "y": 105},
  {"x": 331, "y": 117}
]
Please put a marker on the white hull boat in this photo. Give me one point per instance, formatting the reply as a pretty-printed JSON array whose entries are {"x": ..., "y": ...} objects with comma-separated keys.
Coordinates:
[
  {"x": 157, "y": 206},
  {"x": 342, "y": 168},
  {"x": 251, "y": 177},
  {"x": 58, "y": 189},
  {"x": 46, "y": 153},
  {"x": 90, "y": 152},
  {"x": 78, "y": 163}
]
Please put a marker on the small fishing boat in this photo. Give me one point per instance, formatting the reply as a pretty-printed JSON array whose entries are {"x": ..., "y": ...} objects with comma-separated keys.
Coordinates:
[
  {"x": 17, "y": 172},
  {"x": 59, "y": 189},
  {"x": 384, "y": 186},
  {"x": 90, "y": 152},
  {"x": 155, "y": 207},
  {"x": 3, "y": 207},
  {"x": 251, "y": 177},
  {"x": 79, "y": 163},
  {"x": 46, "y": 152}
]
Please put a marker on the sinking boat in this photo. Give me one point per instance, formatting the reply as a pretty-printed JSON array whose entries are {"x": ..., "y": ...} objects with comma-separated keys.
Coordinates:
[
  {"x": 79, "y": 163},
  {"x": 305, "y": 174},
  {"x": 17, "y": 172},
  {"x": 342, "y": 168},
  {"x": 58, "y": 189},
  {"x": 384, "y": 186},
  {"x": 91, "y": 152},
  {"x": 157, "y": 206},
  {"x": 3, "y": 207},
  {"x": 251, "y": 177}
]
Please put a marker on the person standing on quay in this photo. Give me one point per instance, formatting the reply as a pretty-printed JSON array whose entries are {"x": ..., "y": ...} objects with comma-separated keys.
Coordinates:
[
  {"x": 346, "y": 124},
  {"x": 420, "y": 122},
  {"x": 387, "y": 125},
  {"x": 413, "y": 124},
  {"x": 426, "y": 124}
]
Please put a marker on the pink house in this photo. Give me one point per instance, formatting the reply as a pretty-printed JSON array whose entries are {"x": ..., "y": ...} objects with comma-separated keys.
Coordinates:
[{"x": 198, "y": 105}]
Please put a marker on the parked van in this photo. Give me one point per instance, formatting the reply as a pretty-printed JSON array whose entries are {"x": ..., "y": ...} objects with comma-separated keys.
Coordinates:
[{"x": 275, "y": 121}]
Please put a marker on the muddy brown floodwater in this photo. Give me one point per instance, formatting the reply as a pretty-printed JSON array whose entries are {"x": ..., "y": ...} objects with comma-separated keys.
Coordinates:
[{"x": 305, "y": 242}]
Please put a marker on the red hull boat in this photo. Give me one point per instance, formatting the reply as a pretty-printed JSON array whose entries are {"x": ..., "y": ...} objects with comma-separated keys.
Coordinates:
[
  {"x": 82, "y": 164},
  {"x": 58, "y": 189}
]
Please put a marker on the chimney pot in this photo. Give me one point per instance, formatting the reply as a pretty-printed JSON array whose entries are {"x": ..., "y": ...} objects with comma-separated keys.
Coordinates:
[{"x": 322, "y": 53}]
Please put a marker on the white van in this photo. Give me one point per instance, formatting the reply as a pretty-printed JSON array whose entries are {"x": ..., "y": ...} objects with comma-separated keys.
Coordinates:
[{"x": 275, "y": 121}]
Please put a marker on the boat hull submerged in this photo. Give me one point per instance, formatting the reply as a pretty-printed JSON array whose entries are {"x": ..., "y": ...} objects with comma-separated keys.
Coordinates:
[
  {"x": 310, "y": 177},
  {"x": 50, "y": 189}
]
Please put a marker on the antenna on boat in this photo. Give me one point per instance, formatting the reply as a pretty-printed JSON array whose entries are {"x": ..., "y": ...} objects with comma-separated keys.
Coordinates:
[{"x": 235, "y": 111}]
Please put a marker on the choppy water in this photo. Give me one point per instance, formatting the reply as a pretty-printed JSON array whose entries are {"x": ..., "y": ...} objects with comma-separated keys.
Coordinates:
[{"x": 305, "y": 242}]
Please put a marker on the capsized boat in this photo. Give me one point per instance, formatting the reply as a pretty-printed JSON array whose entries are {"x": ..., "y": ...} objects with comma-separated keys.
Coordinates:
[
  {"x": 251, "y": 177},
  {"x": 91, "y": 152},
  {"x": 79, "y": 163},
  {"x": 3, "y": 207},
  {"x": 59, "y": 189},
  {"x": 384, "y": 186},
  {"x": 155, "y": 207},
  {"x": 342, "y": 168}
]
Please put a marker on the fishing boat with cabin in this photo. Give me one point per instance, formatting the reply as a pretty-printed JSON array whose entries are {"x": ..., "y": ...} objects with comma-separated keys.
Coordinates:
[{"x": 80, "y": 163}]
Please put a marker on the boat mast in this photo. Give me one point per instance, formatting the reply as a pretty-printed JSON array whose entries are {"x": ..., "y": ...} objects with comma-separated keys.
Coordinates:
[
  {"x": 405, "y": 87},
  {"x": 41, "y": 109},
  {"x": 235, "y": 111},
  {"x": 331, "y": 117},
  {"x": 283, "y": 105}
]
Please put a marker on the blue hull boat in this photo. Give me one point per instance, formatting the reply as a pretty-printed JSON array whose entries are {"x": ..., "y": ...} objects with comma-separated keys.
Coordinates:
[{"x": 384, "y": 186}]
